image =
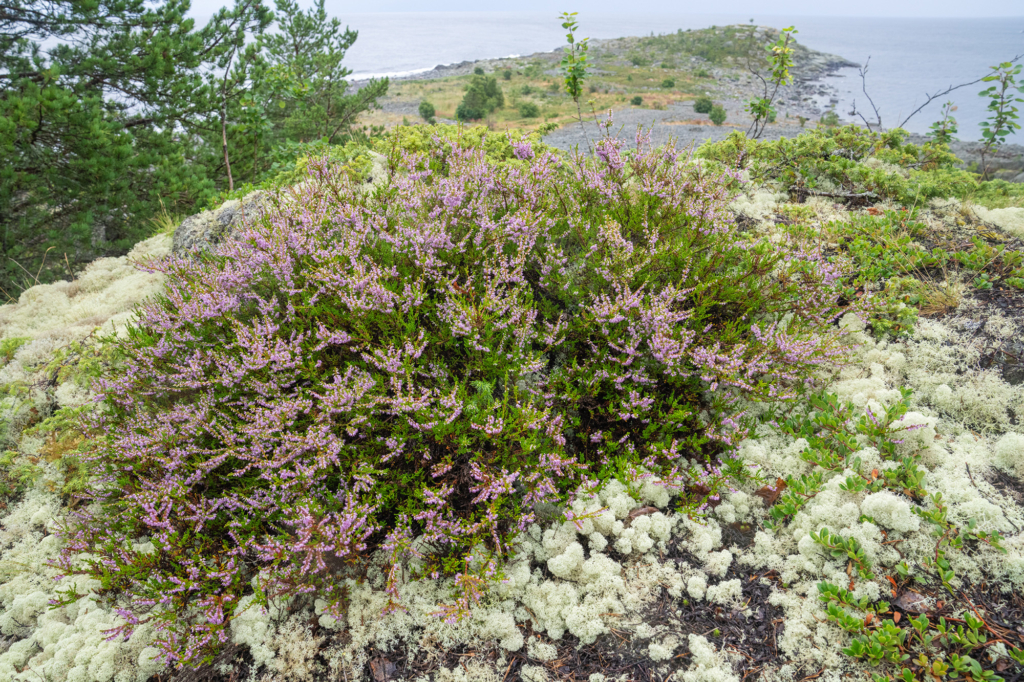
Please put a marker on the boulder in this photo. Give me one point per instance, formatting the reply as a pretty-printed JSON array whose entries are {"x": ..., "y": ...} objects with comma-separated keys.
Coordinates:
[{"x": 205, "y": 230}]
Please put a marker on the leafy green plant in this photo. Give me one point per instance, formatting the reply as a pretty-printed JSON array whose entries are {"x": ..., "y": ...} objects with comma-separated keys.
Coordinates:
[
  {"x": 574, "y": 64},
  {"x": 717, "y": 114},
  {"x": 943, "y": 130},
  {"x": 844, "y": 548},
  {"x": 879, "y": 640},
  {"x": 668, "y": 83},
  {"x": 829, "y": 119},
  {"x": 506, "y": 74},
  {"x": 834, "y": 435},
  {"x": 780, "y": 60},
  {"x": 702, "y": 105},
  {"x": 637, "y": 100},
  {"x": 1003, "y": 118}
]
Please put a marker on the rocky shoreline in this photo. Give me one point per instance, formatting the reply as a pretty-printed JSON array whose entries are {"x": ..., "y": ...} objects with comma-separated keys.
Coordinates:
[{"x": 809, "y": 97}]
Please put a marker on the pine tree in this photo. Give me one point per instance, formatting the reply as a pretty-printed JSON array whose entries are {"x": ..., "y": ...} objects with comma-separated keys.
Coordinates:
[{"x": 94, "y": 131}]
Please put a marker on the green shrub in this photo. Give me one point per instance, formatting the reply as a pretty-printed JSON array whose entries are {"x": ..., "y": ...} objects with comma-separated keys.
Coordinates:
[
  {"x": 10, "y": 346},
  {"x": 479, "y": 70},
  {"x": 717, "y": 114},
  {"x": 703, "y": 105},
  {"x": 831, "y": 161},
  {"x": 668, "y": 83},
  {"x": 506, "y": 74},
  {"x": 427, "y": 111},
  {"x": 637, "y": 100},
  {"x": 702, "y": 73},
  {"x": 497, "y": 149},
  {"x": 998, "y": 194},
  {"x": 829, "y": 119},
  {"x": 482, "y": 97},
  {"x": 528, "y": 110},
  {"x": 412, "y": 369}
]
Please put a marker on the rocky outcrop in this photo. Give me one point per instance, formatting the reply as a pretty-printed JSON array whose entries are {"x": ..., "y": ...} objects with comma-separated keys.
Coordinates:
[{"x": 207, "y": 229}]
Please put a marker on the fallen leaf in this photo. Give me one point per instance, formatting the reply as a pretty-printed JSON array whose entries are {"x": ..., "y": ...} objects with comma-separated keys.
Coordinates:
[
  {"x": 912, "y": 602},
  {"x": 636, "y": 513},
  {"x": 382, "y": 668},
  {"x": 875, "y": 211},
  {"x": 770, "y": 495},
  {"x": 896, "y": 617}
]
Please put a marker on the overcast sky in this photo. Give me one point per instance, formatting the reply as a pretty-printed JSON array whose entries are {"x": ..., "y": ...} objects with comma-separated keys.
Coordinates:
[{"x": 756, "y": 8}]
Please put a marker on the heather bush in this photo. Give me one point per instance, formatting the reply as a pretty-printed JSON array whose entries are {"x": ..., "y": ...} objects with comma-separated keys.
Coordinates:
[{"x": 411, "y": 370}]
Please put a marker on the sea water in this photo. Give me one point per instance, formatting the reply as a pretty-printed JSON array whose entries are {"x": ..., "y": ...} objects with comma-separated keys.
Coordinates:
[{"x": 909, "y": 57}]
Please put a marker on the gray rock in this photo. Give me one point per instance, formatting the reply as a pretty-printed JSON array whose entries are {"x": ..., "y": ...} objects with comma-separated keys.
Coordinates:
[{"x": 205, "y": 230}]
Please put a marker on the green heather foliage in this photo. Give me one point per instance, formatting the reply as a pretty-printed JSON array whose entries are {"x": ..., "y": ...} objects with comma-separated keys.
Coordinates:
[
  {"x": 411, "y": 369},
  {"x": 717, "y": 114},
  {"x": 482, "y": 97},
  {"x": 830, "y": 161},
  {"x": 703, "y": 105}
]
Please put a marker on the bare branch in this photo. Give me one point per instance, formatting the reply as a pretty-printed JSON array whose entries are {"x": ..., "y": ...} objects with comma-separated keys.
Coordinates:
[
  {"x": 930, "y": 98},
  {"x": 864, "y": 87}
]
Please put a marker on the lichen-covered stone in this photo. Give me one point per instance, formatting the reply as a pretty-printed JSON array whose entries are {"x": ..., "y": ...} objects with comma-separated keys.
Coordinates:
[{"x": 205, "y": 230}]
